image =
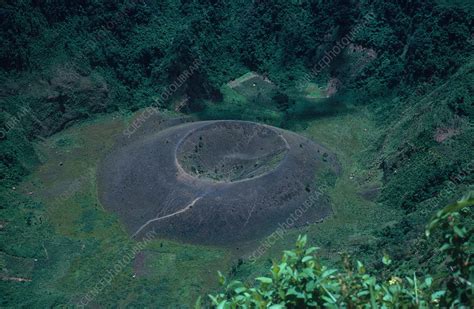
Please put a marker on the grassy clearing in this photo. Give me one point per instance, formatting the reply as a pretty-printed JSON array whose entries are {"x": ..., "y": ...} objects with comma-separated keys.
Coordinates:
[
  {"x": 313, "y": 91},
  {"x": 350, "y": 136},
  {"x": 237, "y": 106},
  {"x": 242, "y": 78},
  {"x": 195, "y": 265}
]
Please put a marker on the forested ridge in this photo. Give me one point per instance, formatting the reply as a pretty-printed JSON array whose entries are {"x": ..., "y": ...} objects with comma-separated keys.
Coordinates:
[{"x": 408, "y": 63}]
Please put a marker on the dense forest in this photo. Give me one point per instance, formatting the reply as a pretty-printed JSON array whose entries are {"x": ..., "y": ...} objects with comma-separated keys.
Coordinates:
[{"x": 407, "y": 64}]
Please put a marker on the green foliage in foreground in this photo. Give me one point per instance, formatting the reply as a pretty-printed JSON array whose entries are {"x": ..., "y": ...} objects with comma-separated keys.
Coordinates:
[{"x": 300, "y": 280}]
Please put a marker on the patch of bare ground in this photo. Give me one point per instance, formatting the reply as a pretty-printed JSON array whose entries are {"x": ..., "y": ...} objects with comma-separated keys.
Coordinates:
[{"x": 443, "y": 134}]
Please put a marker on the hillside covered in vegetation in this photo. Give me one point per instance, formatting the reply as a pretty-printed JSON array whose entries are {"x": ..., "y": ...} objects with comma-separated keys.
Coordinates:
[{"x": 386, "y": 87}]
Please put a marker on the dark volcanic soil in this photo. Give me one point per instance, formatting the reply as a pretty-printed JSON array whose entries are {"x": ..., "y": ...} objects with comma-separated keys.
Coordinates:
[{"x": 213, "y": 182}]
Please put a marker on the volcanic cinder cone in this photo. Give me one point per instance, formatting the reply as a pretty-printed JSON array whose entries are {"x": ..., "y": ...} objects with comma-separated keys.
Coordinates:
[{"x": 215, "y": 182}]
